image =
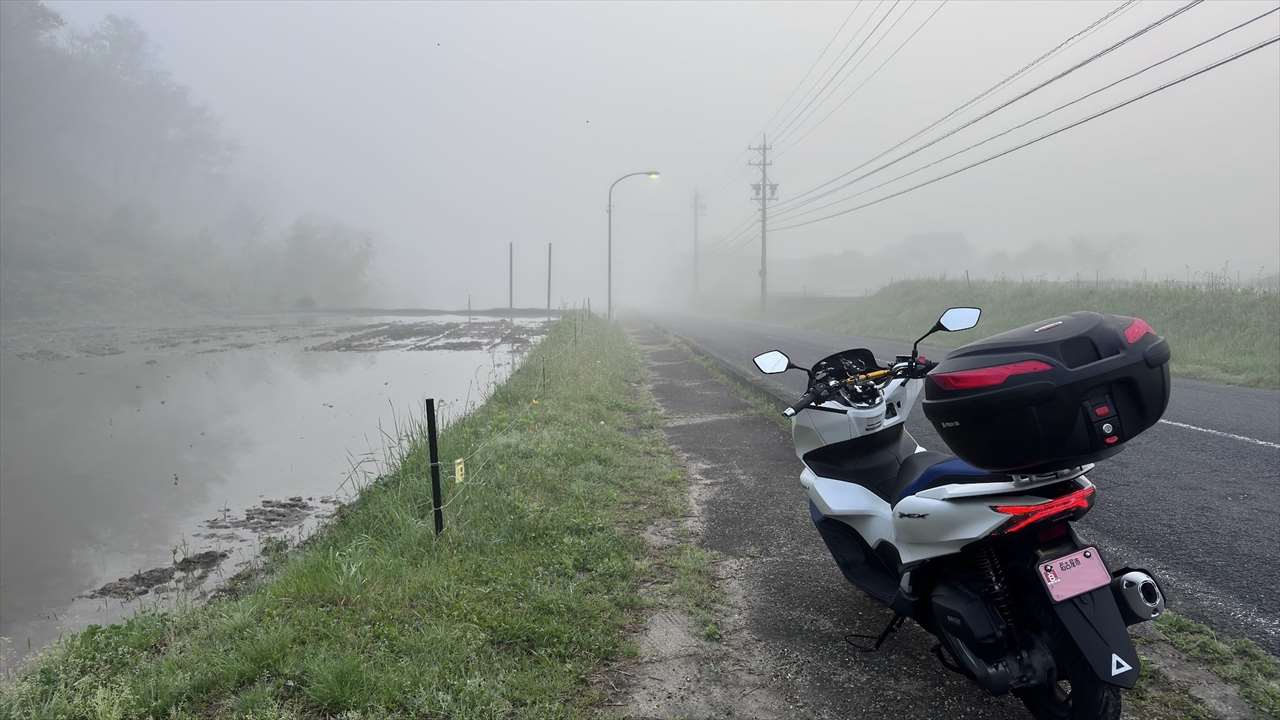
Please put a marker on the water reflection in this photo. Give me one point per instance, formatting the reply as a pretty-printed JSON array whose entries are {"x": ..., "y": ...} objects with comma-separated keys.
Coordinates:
[{"x": 109, "y": 463}]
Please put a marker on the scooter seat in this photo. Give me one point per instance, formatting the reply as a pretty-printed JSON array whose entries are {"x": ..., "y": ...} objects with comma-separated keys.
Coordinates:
[
  {"x": 926, "y": 470},
  {"x": 887, "y": 464}
]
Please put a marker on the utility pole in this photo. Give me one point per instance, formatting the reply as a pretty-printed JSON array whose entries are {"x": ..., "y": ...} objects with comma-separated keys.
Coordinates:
[
  {"x": 698, "y": 209},
  {"x": 765, "y": 192},
  {"x": 548, "y": 281},
  {"x": 511, "y": 278}
]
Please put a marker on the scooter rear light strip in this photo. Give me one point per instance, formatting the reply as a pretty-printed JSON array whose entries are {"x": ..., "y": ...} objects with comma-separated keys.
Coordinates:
[
  {"x": 1026, "y": 515},
  {"x": 987, "y": 376}
]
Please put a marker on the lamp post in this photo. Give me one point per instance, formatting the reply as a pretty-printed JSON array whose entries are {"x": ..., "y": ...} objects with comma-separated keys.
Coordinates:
[{"x": 653, "y": 175}]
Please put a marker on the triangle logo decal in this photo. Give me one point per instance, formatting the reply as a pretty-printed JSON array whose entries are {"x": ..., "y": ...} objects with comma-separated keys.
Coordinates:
[{"x": 1118, "y": 665}]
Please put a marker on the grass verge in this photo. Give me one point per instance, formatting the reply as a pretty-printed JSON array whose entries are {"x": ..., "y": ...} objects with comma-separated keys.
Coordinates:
[
  {"x": 504, "y": 616},
  {"x": 1156, "y": 697},
  {"x": 1240, "y": 662},
  {"x": 1221, "y": 335}
]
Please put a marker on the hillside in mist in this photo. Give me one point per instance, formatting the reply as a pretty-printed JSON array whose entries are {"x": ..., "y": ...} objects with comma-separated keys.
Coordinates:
[{"x": 120, "y": 194}]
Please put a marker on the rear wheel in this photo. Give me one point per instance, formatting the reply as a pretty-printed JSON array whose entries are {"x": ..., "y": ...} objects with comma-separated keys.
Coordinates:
[{"x": 1082, "y": 696}]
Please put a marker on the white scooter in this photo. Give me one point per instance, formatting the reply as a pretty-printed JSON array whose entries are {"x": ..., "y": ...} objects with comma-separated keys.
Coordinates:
[{"x": 984, "y": 560}]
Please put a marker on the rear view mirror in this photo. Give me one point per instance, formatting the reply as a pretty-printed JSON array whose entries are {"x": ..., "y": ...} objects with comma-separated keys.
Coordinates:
[
  {"x": 772, "y": 362},
  {"x": 959, "y": 318}
]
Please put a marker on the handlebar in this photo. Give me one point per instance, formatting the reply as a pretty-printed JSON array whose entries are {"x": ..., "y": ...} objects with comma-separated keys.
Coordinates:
[
  {"x": 913, "y": 369},
  {"x": 804, "y": 402}
]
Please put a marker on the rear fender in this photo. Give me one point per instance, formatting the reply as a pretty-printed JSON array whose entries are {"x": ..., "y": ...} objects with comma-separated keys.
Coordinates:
[{"x": 1094, "y": 622}]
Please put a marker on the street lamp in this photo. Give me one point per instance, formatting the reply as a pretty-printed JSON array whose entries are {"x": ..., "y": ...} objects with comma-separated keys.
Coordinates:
[{"x": 653, "y": 175}]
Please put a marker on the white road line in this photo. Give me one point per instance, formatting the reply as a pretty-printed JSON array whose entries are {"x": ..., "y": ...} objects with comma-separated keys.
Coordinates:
[{"x": 1219, "y": 433}]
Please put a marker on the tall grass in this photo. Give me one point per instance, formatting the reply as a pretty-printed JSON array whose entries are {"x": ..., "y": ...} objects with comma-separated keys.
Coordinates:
[
  {"x": 1225, "y": 335},
  {"x": 504, "y": 615}
]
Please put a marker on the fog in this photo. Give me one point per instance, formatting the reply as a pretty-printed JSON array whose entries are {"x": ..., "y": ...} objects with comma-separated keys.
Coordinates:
[{"x": 183, "y": 156}]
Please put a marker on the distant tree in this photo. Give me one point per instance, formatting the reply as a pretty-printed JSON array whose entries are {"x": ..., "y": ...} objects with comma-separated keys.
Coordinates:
[{"x": 109, "y": 170}]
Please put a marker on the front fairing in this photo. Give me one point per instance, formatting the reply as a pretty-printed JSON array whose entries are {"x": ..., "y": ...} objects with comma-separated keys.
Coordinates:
[{"x": 834, "y": 422}]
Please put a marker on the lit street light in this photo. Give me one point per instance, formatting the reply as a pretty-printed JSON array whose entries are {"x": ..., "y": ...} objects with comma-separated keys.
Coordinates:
[{"x": 653, "y": 175}]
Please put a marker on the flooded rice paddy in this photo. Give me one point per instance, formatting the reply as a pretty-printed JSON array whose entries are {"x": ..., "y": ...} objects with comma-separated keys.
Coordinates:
[{"x": 143, "y": 464}]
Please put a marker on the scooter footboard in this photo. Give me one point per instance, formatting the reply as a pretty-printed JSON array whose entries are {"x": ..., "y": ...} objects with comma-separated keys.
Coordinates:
[
  {"x": 1094, "y": 622},
  {"x": 856, "y": 560}
]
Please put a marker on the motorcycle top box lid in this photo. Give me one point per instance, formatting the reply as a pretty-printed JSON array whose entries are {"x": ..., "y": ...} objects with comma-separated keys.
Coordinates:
[{"x": 1050, "y": 395}]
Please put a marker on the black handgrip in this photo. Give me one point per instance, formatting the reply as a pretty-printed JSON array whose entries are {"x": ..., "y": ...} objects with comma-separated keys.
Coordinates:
[
  {"x": 923, "y": 367},
  {"x": 805, "y": 401}
]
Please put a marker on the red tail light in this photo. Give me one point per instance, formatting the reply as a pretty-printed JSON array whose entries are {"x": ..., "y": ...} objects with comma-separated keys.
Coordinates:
[
  {"x": 987, "y": 376},
  {"x": 1136, "y": 330},
  {"x": 1025, "y": 515}
]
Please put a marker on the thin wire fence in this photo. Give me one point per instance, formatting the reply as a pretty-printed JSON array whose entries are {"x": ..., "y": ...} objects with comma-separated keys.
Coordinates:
[{"x": 407, "y": 435}]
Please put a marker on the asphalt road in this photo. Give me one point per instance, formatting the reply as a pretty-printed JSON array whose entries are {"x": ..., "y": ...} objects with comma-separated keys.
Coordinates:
[{"x": 1195, "y": 499}]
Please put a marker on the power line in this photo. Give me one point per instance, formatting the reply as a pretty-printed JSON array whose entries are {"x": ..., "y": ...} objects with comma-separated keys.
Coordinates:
[
  {"x": 1013, "y": 76},
  {"x": 749, "y": 223},
  {"x": 1045, "y": 136},
  {"x": 725, "y": 239},
  {"x": 803, "y": 116},
  {"x": 866, "y": 80},
  {"x": 814, "y": 91},
  {"x": 816, "y": 60},
  {"x": 1041, "y": 116},
  {"x": 851, "y": 55},
  {"x": 735, "y": 168},
  {"x": 789, "y": 115},
  {"x": 1092, "y": 58}
]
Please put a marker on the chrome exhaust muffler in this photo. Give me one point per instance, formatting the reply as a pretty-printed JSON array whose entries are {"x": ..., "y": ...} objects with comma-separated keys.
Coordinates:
[{"x": 1138, "y": 595}]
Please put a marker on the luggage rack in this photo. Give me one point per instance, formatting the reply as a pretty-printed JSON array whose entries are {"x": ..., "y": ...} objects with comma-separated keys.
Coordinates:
[{"x": 1070, "y": 473}]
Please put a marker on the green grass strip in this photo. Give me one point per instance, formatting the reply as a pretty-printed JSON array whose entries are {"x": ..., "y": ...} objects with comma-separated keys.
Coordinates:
[
  {"x": 1241, "y": 662},
  {"x": 1219, "y": 335},
  {"x": 506, "y": 615}
]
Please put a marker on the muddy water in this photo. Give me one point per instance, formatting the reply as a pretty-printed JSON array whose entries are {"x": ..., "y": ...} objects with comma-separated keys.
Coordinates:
[{"x": 125, "y": 449}]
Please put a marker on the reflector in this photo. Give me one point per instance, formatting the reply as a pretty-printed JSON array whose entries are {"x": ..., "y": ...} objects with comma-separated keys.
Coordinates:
[
  {"x": 988, "y": 376},
  {"x": 1136, "y": 330}
]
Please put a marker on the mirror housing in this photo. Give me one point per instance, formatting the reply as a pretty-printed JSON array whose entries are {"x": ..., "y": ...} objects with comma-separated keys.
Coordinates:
[
  {"x": 953, "y": 320},
  {"x": 772, "y": 362}
]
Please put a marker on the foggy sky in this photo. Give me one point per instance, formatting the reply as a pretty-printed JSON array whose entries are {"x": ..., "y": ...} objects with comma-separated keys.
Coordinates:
[{"x": 451, "y": 129}]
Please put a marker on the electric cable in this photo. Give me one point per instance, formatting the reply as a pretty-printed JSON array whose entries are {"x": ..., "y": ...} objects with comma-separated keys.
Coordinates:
[
  {"x": 860, "y": 85},
  {"x": 1043, "y": 115},
  {"x": 1045, "y": 136},
  {"x": 1092, "y": 58},
  {"x": 807, "y": 73},
  {"x": 843, "y": 65},
  {"x": 1011, "y": 77},
  {"x": 850, "y": 72}
]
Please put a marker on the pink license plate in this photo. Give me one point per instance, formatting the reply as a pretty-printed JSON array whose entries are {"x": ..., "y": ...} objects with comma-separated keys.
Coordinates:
[{"x": 1074, "y": 574}]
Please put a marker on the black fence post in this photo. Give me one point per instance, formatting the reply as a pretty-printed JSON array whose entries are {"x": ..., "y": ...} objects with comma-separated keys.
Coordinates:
[{"x": 434, "y": 454}]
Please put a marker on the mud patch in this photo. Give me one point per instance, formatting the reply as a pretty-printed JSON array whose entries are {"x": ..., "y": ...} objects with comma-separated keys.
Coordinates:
[
  {"x": 386, "y": 336},
  {"x": 678, "y": 674},
  {"x": 191, "y": 571},
  {"x": 104, "y": 350},
  {"x": 435, "y": 335},
  {"x": 460, "y": 345},
  {"x": 272, "y": 516},
  {"x": 662, "y": 535},
  {"x": 42, "y": 355}
]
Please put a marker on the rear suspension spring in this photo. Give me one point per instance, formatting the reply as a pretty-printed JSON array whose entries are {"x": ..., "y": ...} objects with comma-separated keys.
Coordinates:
[{"x": 997, "y": 586}]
